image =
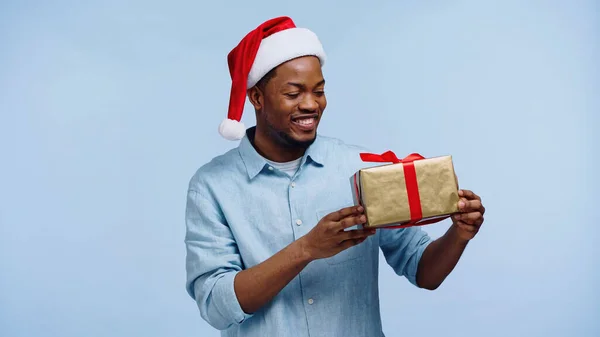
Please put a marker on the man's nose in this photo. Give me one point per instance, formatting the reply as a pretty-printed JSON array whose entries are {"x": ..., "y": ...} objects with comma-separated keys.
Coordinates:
[{"x": 309, "y": 103}]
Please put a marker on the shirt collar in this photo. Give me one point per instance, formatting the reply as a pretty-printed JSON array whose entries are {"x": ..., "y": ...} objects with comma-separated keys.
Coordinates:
[{"x": 255, "y": 163}]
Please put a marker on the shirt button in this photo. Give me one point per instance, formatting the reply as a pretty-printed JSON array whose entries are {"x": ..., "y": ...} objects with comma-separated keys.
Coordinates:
[
  {"x": 298, "y": 222},
  {"x": 293, "y": 184},
  {"x": 310, "y": 301},
  {"x": 270, "y": 168}
]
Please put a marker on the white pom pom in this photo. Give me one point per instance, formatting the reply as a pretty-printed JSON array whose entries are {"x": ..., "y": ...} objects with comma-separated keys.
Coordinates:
[{"x": 231, "y": 129}]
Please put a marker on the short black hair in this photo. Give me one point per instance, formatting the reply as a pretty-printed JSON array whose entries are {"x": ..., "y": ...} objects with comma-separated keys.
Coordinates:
[{"x": 262, "y": 83}]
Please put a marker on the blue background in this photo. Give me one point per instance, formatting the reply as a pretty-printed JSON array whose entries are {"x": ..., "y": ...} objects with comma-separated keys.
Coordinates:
[{"x": 108, "y": 107}]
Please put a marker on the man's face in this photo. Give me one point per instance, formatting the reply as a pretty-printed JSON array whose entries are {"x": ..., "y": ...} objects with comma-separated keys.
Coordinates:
[{"x": 292, "y": 103}]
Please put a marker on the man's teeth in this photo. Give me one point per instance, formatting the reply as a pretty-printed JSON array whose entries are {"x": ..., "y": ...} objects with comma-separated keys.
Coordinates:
[{"x": 305, "y": 121}]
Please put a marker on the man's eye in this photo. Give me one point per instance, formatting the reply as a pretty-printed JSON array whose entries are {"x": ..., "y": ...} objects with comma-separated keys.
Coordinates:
[
  {"x": 292, "y": 94},
  {"x": 320, "y": 92}
]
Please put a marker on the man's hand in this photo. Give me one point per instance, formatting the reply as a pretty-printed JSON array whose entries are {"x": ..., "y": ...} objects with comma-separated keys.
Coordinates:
[
  {"x": 257, "y": 285},
  {"x": 441, "y": 256},
  {"x": 470, "y": 217},
  {"x": 328, "y": 237}
]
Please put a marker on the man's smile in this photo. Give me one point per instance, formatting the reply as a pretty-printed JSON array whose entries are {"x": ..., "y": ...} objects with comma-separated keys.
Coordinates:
[{"x": 305, "y": 122}]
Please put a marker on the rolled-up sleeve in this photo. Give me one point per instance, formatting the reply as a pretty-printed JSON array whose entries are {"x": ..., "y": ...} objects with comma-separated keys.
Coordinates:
[
  {"x": 212, "y": 261},
  {"x": 403, "y": 248}
]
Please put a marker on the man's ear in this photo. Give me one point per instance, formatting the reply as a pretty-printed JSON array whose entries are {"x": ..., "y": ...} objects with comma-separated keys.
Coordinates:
[{"x": 256, "y": 97}]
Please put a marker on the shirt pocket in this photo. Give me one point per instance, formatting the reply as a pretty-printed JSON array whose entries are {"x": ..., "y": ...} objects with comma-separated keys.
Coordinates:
[{"x": 345, "y": 255}]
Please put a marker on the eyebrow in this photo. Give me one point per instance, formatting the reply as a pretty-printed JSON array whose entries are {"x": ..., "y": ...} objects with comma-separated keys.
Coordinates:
[{"x": 298, "y": 85}]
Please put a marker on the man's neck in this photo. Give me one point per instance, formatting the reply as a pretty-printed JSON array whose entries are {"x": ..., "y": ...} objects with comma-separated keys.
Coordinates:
[{"x": 272, "y": 151}]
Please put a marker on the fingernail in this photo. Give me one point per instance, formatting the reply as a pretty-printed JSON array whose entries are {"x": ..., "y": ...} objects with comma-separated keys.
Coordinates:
[
  {"x": 456, "y": 217},
  {"x": 363, "y": 218},
  {"x": 460, "y": 192},
  {"x": 461, "y": 204},
  {"x": 360, "y": 208}
]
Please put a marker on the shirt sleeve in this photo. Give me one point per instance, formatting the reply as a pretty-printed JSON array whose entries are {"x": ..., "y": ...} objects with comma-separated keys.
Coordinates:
[
  {"x": 212, "y": 262},
  {"x": 403, "y": 248}
]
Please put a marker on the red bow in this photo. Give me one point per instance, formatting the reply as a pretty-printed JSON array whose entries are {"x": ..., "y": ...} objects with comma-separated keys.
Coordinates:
[
  {"x": 412, "y": 187},
  {"x": 389, "y": 157}
]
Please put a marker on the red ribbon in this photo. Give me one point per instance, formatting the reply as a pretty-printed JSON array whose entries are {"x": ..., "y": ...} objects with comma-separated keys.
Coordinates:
[{"x": 412, "y": 187}]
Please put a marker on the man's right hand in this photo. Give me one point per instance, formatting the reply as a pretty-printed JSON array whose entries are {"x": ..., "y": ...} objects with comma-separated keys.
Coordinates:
[
  {"x": 328, "y": 237},
  {"x": 257, "y": 285}
]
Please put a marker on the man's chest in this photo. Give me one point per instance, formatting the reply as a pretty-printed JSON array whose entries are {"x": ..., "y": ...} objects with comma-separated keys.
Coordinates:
[{"x": 275, "y": 209}]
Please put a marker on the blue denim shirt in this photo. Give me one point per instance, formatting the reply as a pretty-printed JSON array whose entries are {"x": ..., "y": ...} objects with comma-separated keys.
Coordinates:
[{"x": 240, "y": 211}]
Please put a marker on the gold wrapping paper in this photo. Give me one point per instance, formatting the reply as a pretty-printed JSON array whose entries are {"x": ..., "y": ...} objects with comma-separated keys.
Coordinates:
[{"x": 382, "y": 191}]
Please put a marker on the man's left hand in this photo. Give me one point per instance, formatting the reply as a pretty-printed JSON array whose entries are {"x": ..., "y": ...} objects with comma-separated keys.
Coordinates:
[{"x": 470, "y": 217}]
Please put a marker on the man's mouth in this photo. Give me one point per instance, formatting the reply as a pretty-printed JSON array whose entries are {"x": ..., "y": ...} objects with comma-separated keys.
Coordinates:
[{"x": 306, "y": 123}]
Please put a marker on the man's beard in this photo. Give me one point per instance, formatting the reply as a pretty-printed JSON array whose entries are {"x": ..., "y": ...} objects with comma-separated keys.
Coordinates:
[{"x": 288, "y": 141}]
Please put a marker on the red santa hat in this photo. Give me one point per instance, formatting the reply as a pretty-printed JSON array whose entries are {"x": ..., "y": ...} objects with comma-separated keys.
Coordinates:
[{"x": 272, "y": 43}]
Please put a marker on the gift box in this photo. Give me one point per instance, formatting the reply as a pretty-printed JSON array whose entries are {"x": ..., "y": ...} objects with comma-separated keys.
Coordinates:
[{"x": 413, "y": 191}]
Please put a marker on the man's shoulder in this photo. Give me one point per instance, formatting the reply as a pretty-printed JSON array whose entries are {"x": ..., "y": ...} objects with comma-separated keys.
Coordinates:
[
  {"x": 222, "y": 166},
  {"x": 345, "y": 153},
  {"x": 334, "y": 143}
]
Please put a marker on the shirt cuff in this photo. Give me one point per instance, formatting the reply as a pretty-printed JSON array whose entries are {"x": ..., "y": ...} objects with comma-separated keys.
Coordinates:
[{"x": 226, "y": 300}]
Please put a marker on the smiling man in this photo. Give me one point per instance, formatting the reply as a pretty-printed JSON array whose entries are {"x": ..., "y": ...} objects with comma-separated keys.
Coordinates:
[
  {"x": 267, "y": 253},
  {"x": 290, "y": 127}
]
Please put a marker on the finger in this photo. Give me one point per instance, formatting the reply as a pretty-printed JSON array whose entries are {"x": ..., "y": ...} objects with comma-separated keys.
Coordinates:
[
  {"x": 468, "y": 194},
  {"x": 349, "y": 243},
  {"x": 470, "y": 205},
  {"x": 466, "y": 227},
  {"x": 472, "y": 218},
  {"x": 361, "y": 240},
  {"x": 357, "y": 234},
  {"x": 344, "y": 212},
  {"x": 351, "y": 221},
  {"x": 352, "y": 242}
]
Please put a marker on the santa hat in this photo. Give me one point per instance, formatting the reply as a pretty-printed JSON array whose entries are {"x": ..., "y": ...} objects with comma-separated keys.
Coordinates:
[{"x": 272, "y": 43}]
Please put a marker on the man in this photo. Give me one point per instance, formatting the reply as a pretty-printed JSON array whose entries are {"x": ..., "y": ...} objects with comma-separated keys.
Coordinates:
[{"x": 267, "y": 253}]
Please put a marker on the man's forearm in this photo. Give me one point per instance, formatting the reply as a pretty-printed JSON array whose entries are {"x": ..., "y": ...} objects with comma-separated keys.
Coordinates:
[
  {"x": 256, "y": 286},
  {"x": 439, "y": 259}
]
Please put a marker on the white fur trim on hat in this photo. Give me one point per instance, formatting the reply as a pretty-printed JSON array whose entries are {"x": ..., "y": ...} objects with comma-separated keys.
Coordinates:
[
  {"x": 282, "y": 47},
  {"x": 231, "y": 129}
]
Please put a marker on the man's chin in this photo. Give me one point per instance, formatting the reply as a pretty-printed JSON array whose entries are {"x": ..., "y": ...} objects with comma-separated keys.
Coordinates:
[{"x": 304, "y": 141}]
